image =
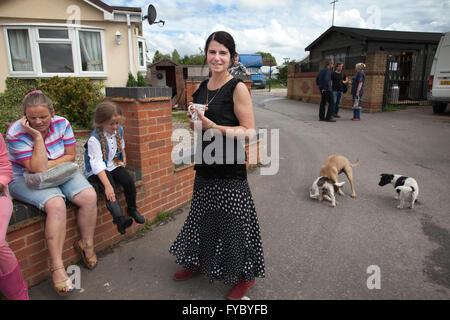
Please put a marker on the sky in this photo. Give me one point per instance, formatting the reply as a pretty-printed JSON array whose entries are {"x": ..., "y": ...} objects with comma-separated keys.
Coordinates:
[{"x": 282, "y": 27}]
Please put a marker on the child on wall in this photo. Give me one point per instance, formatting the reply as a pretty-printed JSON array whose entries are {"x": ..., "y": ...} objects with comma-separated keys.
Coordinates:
[{"x": 105, "y": 160}]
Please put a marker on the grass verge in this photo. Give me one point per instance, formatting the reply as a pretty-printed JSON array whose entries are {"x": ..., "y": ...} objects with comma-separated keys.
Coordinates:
[
  {"x": 161, "y": 216},
  {"x": 391, "y": 108},
  {"x": 181, "y": 117}
]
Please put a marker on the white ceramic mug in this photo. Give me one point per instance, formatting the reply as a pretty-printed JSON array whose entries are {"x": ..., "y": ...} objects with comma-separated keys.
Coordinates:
[{"x": 194, "y": 109}]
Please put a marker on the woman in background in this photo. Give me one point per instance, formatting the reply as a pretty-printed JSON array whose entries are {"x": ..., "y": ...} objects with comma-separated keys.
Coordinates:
[{"x": 358, "y": 81}]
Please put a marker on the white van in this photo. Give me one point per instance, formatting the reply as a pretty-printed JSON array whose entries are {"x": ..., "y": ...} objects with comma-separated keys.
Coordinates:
[{"x": 439, "y": 81}]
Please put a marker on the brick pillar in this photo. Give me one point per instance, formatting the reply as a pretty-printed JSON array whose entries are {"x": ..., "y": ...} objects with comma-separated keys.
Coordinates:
[
  {"x": 374, "y": 86},
  {"x": 191, "y": 86},
  {"x": 148, "y": 145},
  {"x": 291, "y": 69}
]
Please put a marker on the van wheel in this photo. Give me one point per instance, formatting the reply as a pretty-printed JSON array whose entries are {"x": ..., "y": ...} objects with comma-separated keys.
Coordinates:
[{"x": 439, "y": 107}]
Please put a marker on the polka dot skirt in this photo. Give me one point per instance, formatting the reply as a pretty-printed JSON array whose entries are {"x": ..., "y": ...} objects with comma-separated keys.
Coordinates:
[{"x": 221, "y": 234}]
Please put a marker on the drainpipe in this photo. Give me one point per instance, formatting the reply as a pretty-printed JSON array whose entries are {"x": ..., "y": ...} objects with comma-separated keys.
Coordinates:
[{"x": 130, "y": 48}]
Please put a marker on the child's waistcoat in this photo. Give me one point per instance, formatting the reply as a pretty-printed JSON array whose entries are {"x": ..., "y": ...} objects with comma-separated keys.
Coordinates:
[{"x": 95, "y": 134}]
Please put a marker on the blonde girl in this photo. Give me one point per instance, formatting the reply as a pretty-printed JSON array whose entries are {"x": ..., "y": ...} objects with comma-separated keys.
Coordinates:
[{"x": 105, "y": 160}]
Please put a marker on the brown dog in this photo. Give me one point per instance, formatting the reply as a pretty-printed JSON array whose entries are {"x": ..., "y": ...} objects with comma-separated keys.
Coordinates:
[{"x": 336, "y": 164}]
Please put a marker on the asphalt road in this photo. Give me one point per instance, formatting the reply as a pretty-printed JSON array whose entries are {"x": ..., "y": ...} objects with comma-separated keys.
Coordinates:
[{"x": 314, "y": 251}]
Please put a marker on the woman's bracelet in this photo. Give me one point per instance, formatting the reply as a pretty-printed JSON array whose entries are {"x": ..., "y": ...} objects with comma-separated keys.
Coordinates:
[{"x": 211, "y": 125}]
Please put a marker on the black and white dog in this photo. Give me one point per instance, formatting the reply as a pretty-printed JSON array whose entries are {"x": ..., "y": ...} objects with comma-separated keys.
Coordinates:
[
  {"x": 324, "y": 188},
  {"x": 406, "y": 187}
]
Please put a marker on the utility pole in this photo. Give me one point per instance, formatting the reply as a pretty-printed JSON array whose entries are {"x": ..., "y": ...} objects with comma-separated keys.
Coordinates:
[{"x": 334, "y": 4}]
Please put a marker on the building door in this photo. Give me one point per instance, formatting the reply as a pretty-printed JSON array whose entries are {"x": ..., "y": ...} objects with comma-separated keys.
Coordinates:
[
  {"x": 404, "y": 75},
  {"x": 404, "y": 78}
]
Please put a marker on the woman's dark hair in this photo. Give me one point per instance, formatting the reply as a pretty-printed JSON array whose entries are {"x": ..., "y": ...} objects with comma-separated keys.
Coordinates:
[{"x": 225, "y": 39}]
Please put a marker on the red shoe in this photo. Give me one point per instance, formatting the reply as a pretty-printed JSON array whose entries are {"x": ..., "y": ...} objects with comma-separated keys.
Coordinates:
[
  {"x": 356, "y": 119},
  {"x": 239, "y": 290},
  {"x": 184, "y": 274}
]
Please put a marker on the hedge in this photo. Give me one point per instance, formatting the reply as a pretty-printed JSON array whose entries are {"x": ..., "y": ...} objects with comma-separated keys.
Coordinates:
[{"x": 73, "y": 98}]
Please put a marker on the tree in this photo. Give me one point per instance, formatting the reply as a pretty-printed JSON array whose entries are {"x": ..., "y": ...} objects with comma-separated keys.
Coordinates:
[
  {"x": 159, "y": 56},
  {"x": 267, "y": 58},
  {"x": 283, "y": 72},
  {"x": 194, "y": 59},
  {"x": 176, "y": 56}
]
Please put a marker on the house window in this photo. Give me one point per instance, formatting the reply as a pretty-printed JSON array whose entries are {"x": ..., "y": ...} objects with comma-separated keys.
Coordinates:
[
  {"x": 41, "y": 51},
  {"x": 19, "y": 50},
  {"x": 53, "y": 34},
  {"x": 141, "y": 54},
  {"x": 91, "y": 51},
  {"x": 55, "y": 51},
  {"x": 56, "y": 58}
]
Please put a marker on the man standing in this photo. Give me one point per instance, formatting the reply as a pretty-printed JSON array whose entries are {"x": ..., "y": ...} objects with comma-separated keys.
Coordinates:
[{"x": 323, "y": 80}]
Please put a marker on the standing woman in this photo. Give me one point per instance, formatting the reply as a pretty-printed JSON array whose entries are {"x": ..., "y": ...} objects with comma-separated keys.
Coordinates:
[
  {"x": 12, "y": 285},
  {"x": 339, "y": 80},
  {"x": 358, "y": 81},
  {"x": 220, "y": 237}
]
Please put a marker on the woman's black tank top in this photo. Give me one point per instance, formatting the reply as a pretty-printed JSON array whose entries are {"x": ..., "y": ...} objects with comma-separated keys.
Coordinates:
[{"x": 230, "y": 164}]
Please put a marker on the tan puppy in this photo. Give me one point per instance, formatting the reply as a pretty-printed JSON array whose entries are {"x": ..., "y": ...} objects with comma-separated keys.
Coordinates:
[{"x": 336, "y": 164}]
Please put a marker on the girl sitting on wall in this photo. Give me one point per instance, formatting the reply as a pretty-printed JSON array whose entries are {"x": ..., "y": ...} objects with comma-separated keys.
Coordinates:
[{"x": 105, "y": 160}]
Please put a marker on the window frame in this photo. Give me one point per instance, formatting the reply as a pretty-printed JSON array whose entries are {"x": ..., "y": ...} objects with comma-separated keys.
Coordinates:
[
  {"x": 141, "y": 68},
  {"x": 39, "y": 40},
  {"x": 8, "y": 53},
  {"x": 92, "y": 74},
  {"x": 73, "y": 40}
]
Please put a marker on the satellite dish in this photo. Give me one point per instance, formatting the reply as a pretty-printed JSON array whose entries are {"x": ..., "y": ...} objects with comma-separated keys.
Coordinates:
[{"x": 151, "y": 16}]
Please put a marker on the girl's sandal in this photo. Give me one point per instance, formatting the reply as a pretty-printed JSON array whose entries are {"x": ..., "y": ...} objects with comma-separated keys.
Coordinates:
[
  {"x": 60, "y": 285},
  {"x": 90, "y": 262}
]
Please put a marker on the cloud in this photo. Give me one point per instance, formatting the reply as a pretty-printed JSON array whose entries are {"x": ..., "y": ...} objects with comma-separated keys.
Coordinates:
[
  {"x": 282, "y": 27},
  {"x": 263, "y": 5},
  {"x": 399, "y": 27}
]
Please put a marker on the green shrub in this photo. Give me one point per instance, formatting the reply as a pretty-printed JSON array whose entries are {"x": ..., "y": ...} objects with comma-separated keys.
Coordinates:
[
  {"x": 141, "y": 81},
  {"x": 11, "y": 100},
  {"x": 131, "y": 80},
  {"x": 73, "y": 98}
]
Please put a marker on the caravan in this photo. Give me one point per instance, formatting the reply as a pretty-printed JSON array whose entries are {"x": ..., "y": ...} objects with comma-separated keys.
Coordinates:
[
  {"x": 439, "y": 81},
  {"x": 253, "y": 63}
]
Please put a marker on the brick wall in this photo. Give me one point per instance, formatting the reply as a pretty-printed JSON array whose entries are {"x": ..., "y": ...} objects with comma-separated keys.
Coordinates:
[
  {"x": 159, "y": 186},
  {"x": 302, "y": 85}
]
